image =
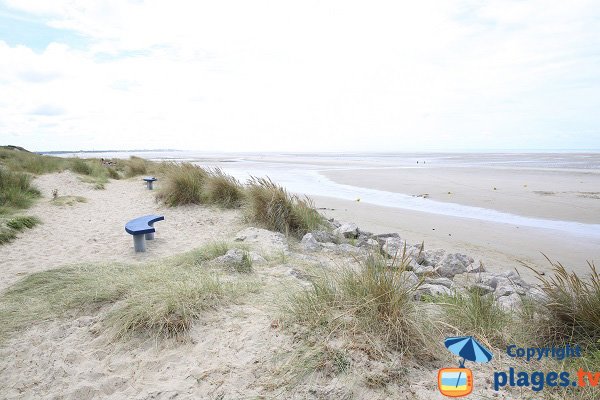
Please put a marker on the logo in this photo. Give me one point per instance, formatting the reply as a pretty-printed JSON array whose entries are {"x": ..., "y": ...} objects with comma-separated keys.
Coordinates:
[{"x": 458, "y": 382}]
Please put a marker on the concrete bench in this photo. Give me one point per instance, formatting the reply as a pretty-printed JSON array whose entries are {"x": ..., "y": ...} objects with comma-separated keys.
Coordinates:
[
  {"x": 142, "y": 228},
  {"x": 149, "y": 180}
]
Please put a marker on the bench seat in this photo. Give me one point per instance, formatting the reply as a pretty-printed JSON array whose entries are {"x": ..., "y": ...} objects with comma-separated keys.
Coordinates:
[
  {"x": 142, "y": 228},
  {"x": 149, "y": 180}
]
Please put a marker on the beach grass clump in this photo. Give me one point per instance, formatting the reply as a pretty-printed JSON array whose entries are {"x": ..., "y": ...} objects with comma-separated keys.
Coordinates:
[
  {"x": 273, "y": 207},
  {"x": 68, "y": 200},
  {"x": 569, "y": 313},
  {"x": 16, "y": 190},
  {"x": 136, "y": 166},
  {"x": 183, "y": 184},
  {"x": 80, "y": 166},
  {"x": 160, "y": 299},
  {"x": 370, "y": 307},
  {"x": 222, "y": 189},
  {"x": 7, "y": 235},
  {"x": 21, "y": 223},
  {"x": 475, "y": 314}
]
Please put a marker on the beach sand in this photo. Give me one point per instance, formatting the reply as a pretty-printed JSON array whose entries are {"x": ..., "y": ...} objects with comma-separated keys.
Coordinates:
[{"x": 559, "y": 195}]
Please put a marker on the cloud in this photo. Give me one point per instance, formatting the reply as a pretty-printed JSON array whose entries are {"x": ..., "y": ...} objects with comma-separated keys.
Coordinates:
[
  {"x": 47, "y": 110},
  {"x": 309, "y": 76}
]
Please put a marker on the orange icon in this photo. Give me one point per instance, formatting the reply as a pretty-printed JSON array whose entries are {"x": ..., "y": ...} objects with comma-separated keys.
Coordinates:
[{"x": 455, "y": 382}]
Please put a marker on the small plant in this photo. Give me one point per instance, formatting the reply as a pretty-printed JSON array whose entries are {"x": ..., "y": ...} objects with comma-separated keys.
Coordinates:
[
  {"x": 222, "y": 189},
  {"x": 16, "y": 190},
  {"x": 246, "y": 265},
  {"x": 22, "y": 223},
  {"x": 54, "y": 194},
  {"x": 7, "y": 235},
  {"x": 183, "y": 185},
  {"x": 68, "y": 200},
  {"x": 81, "y": 167},
  {"x": 135, "y": 166}
]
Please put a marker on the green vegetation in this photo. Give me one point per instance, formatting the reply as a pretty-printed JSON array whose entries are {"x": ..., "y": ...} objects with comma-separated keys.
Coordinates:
[
  {"x": 473, "y": 313},
  {"x": 222, "y": 189},
  {"x": 68, "y": 200},
  {"x": 370, "y": 308},
  {"x": 273, "y": 207},
  {"x": 22, "y": 223},
  {"x": 182, "y": 185},
  {"x": 16, "y": 190},
  {"x": 160, "y": 299}
]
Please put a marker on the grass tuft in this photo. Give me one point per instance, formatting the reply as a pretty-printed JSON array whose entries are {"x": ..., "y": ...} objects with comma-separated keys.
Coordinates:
[
  {"x": 160, "y": 299},
  {"x": 183, "y": 185},
  {"x": 68, "y": 200},
  {"x": 136, "y": 166},
  {"x": 273, "y": 207},
  {"x": 371, "y": 307},
  {"x": 16, "y": 190},
  {"x": 222, "y": 189},
  {"x": 23, "y": 222}
]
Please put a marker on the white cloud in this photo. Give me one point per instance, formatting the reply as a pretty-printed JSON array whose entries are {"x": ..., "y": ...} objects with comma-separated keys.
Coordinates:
[{"x": 239, "y": 75}]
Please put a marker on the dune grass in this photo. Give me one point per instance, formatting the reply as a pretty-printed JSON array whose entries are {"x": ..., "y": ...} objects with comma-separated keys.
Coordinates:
[
  {"x": 570, "y": 313},
  {"x": 370, "y": 307},
  {"x": 23, "y": 222},
  {"x": 68, "y": 200},
  {"x": 472, "y": 313},
  {"x": 16, "y": 190},
  {"x": 182, "y": 185},
  {"x": 274, "y": 208},
  {"x": 160, "y": 299},
  {"x": 24, "y": 161},
  {"x": 222, "y": 189}
]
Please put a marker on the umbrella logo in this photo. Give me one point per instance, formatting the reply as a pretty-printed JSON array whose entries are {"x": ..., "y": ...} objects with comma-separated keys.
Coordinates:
[{"x": 458, "y": 382}]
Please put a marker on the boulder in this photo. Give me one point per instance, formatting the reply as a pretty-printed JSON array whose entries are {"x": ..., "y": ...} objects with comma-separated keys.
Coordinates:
[
  {"x": 409, "y": 279},
  {"x": 511, "y": 302},
  {"x": 440, "y": 281},
  {"x": 431, "y": 257},
  {"x": 309, "y": 243},
  {"x": 262, "y": 238},
  {"x": 393, "y": 247},
  {"x": 423, "y": 270},
  {"x": 383, "y": 236},
  {"x": 432, "y": 290},
  {"x": 324, "y": 237},
  {"x": 453, "y": 264},
  {"x": 348, "y": 230},
  {"x": 346, "y": 248},
  {"x": 482, "y": 288}
]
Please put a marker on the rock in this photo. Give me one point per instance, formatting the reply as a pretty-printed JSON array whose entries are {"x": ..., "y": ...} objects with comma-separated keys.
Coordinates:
[
  {"x": 440, "y": 281},
  {"x": 383, "y": 236},
  {"x": 309, "y": 243},
  {"x": 474, "y": 270},
  {"x": 345, "y": 248},
  {"x": 454, "y": 263},
  {"x": 232, "y": 257},
  {"x": 506, "y": 287},
  {"x": 393, "y": 247},
  {"x": 432, "y": 290},
  {"x": 422, "y": 270},
  {"x": 324, "y": 237},
  {"x": 537, "y": 295},
  {"x": 409, "y": 279},
  {"x": 349, "y": 230},
  {"x": 257, "y": 258},
  {"x": 334, "y": 223},
  {"x": 431, "y": 257},
  {"x": 262, "y": 238},
  {"x": 511, "y": 302},
  {"x": 369, "y": 244},
  {"x": 482, "y": 288},
  {"x": 329, "y": 246}
]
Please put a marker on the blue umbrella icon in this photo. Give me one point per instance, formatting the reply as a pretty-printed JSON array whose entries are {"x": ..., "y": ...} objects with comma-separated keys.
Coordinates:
[{"x": 469, "y": 349}]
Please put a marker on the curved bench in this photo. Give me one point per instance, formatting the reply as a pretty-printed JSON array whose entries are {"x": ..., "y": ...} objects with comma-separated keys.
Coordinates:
[
  {"x": 149, "y": 180},
  {"x": 142, "y": 228}
]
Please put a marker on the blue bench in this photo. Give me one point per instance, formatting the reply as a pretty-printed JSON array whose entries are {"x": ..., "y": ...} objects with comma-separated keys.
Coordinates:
[
  {"x": 149, "y": 180},
  {"x": 142, "y": 228}
]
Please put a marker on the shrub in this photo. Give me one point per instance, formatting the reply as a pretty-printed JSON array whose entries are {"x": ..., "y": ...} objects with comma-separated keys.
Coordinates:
[
  {"x": 272, "y": 206},
  {"x": 7, "y": 235},
  {"x": 183, "y": 185},
  {"x": 81, "y": 167}
]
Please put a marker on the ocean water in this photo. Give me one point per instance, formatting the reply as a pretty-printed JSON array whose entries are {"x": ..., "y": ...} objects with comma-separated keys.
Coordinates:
[{"x": 300, "y": 173}]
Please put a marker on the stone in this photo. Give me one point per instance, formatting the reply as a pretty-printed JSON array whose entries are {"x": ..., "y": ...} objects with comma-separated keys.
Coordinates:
[
  {"x": 511, "y": 302},
  {"x": 422, "y": 270},
  {"x": 506, "y": 287},
  {"x": 309, "y": 243},
  {"x": 409, "y": 279},
  {"x": 536, "y": 294},
  {"x": 440, "y": 281},
  {"x": 453, "y": 264},
  {"x": 369, "y": 244},
  {"x": 483, "y": 289},
  {"x": 345, "y": 248},
  {"x": 431, "y": 257},
  {"x": 433, "y": 290},
  {"x": 393, "y": 247},
  {"x": 478, "y": 269},
  {"x": 348, "y": 230},
  {"x": 262, "y": 238},
  {"x": 324, "y": 237},
  {"x": 383, "y": 236}
]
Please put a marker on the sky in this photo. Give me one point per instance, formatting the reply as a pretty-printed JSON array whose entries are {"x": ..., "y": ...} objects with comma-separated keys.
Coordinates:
[{"x": 300, "y": 75}]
